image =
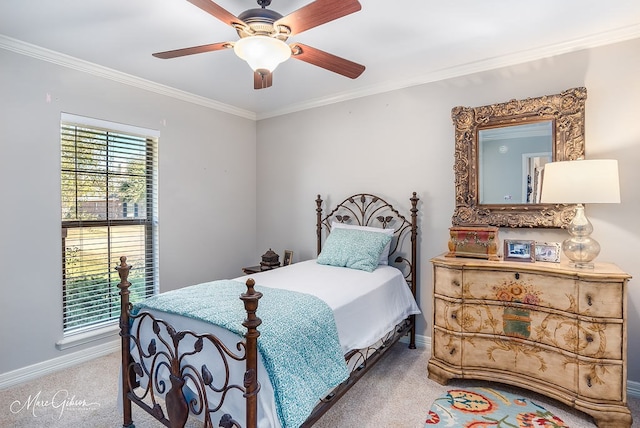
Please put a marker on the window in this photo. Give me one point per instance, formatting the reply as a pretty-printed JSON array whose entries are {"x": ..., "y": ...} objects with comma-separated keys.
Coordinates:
[{"x": 109, "y": 209}]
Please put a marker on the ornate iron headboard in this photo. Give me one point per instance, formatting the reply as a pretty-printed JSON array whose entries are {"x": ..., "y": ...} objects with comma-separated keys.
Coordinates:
[{"x": 364, "y": 209}]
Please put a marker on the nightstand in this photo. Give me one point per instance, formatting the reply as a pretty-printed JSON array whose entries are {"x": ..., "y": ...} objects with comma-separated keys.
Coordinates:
[
  {"x": 257, "y": 269},
  {"x": 251, "y": 270}
]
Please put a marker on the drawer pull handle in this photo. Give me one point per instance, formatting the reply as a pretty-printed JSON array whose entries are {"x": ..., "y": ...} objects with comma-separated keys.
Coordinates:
[
  {"x": 517, "y": 275},
  {"x": 454, "y": 315},
  {"x": 589, "y": 381},
  {"x": 589, "y": 300},
  {"x": 589, "y": 338},
  {"x": 456, "y": 283},
  {"x": 453, "y": 351}
]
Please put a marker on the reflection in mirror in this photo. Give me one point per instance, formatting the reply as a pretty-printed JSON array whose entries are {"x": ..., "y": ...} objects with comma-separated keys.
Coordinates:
[
  {"x": 511, "y": 160},
  {"x": 498, "y": 166}
]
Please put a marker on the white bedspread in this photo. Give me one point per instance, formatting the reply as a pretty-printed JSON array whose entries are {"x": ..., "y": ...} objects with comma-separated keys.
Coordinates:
[{"x": 366, "y": 305}]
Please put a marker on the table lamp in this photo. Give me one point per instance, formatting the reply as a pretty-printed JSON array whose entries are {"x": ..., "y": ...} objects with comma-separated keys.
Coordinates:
[{"x": 581, "y": 182}]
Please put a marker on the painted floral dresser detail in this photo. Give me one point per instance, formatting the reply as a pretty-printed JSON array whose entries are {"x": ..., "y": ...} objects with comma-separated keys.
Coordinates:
[{"x": 547, "y": 327}]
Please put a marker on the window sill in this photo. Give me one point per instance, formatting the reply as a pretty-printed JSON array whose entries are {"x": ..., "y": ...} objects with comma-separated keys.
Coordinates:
[{"x": 87, "y": 337}]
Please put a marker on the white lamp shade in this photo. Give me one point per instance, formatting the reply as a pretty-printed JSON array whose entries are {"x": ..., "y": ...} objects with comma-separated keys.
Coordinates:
[
  {"x": 581, "y": 182},
  {"x": 262, "y": 52}
]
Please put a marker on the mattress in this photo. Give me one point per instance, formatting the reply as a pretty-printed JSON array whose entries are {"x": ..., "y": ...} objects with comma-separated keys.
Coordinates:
[{"x": 366, "y": 305}]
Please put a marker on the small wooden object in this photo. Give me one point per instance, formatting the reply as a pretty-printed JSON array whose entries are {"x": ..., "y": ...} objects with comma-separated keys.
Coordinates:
[
  {"x": 270, "y": 260},
  {"x": 473, "y": 241}
]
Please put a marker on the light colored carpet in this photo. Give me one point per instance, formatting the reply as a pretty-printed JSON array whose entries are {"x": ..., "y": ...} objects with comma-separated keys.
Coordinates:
[{"x": 395, "y": 393}]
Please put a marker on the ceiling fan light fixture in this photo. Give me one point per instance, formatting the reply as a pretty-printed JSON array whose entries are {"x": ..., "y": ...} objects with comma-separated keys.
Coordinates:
[{"x": 262, "y": 52}]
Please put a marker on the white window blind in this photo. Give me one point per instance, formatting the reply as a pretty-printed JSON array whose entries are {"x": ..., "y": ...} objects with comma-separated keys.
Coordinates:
[{"x": 109, "y": 209}]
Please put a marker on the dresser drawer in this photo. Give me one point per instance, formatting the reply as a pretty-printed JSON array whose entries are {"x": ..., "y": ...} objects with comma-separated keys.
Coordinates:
[
  {"x": 446, "y": 347},
  {"x": 600, "y": 339},
  {"x": 520, "y": 321},
  {"x": 448, "y": 281},
  {"x": 601, "y": 299},
  {"x": 548, "y": 291},
  {"x": 520, "y": 360},
  {"x": 600, "y": 381},
  {"x": 447, "y": 314}
]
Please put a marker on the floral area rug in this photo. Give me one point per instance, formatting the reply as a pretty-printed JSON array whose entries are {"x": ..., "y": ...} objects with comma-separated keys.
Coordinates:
[{"x": 487, "y": 407}]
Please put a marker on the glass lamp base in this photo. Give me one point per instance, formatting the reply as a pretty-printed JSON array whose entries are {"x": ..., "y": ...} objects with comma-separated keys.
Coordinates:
[
  {"x": 580, "y": 248},
  {"x": 582, "y": 265}
]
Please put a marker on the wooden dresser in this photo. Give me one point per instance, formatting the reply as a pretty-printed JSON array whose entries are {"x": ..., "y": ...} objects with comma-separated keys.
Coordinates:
[{"x": 547, "y": 327}]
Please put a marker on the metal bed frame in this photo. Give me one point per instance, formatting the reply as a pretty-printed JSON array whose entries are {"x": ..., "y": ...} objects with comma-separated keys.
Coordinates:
[{"x": 173, "y": 411}]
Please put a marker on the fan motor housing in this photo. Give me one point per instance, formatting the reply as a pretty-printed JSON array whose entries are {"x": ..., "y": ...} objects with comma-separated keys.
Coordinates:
[{"x": 260, "y": 22}]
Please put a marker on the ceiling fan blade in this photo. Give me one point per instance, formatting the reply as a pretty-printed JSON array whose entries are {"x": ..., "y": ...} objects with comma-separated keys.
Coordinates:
[
  {"x": 218, "y": 12},
  {"x": 193, "y": 50},
  {"x": 326, "y": 60},
  {"x": 262, "y": 80},
  {"x": 317, "y": 13}
]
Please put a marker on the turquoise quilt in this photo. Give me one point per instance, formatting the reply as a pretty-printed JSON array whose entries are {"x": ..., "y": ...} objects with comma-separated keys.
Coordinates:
[{"x": 298, "y": 338}]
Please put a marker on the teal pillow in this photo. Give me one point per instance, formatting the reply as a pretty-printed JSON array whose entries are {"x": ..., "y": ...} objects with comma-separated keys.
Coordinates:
[{"x": 353, "y": 248}]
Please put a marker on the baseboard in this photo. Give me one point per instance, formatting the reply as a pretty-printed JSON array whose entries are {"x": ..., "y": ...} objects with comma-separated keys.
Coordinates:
[
  {"x": 421, "y": 341},
  {"x": 37, "y": 370},
  {"x": 633, "y": 389}
]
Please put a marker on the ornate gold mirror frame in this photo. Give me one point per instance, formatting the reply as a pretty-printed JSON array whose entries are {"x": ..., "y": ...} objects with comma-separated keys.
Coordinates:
[{"x": 564, "y": 110}]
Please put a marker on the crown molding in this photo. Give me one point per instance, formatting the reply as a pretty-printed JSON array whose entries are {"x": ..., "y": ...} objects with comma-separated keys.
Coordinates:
[
  {"x": 68, "y": 61},
  {"x": 520, "y": 57},
  {"x": 591, "y": 41}
]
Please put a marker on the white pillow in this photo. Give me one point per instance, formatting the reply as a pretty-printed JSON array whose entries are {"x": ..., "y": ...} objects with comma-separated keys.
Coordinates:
[
  {"x": 384, "y": 257},
  {"x": 353, "y": 248}
]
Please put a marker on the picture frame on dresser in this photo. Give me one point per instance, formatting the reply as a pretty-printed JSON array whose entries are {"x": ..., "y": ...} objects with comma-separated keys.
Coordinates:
[
  {"x": 517, "y": 250},
  {"x": 548, "y": 252},
  {"x": 288, "y": 258}
]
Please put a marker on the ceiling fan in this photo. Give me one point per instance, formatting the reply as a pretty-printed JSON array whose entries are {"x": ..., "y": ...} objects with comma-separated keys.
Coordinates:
[{"x": 263, "y": 33}]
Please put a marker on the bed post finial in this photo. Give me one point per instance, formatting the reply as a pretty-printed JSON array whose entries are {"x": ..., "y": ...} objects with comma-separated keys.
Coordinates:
[{"x": 123, "y": 271}]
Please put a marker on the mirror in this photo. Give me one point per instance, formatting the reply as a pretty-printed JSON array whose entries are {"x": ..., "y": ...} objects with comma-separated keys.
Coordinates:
[
  {"x": 500, "y": 153},
  {"x": 510, "y": 162}
]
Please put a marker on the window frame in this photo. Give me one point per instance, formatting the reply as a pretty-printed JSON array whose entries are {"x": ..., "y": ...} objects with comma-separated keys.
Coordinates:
[{"x": 148, "y": 279}]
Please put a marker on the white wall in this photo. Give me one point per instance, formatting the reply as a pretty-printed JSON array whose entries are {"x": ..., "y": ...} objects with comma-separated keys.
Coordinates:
[
  {"x": 402, "y": 141},
  {"x": 217, "y": 214},
  {"x": 207, "y": 207}
]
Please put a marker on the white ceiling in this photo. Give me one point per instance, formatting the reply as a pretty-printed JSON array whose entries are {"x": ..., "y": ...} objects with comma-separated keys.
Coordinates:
[{"x": 401, "y": 42}]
